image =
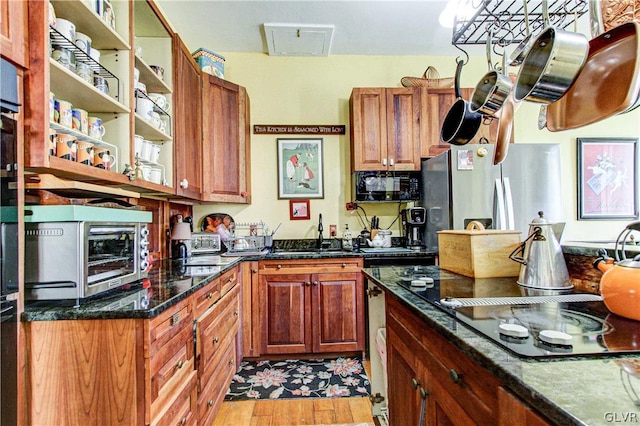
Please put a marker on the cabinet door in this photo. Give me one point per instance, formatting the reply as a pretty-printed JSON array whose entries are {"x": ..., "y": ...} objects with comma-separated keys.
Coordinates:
[
  {"x": 436, "y": 103},
  {"x": 403, "y": 128},
  {"x": 13, "y": 25},
  {"x": 405, "y": 401},
  {"x": 188, "y": 129},
  {"x": 338, "y": 312},
  {"x": 368, "y": 109},
  {"x": 286, "y": 315},
  {"x": 224, "y": 140}
]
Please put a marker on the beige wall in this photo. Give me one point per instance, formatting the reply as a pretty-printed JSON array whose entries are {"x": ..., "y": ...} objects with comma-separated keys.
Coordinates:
[{"x": 300, "y": 90}]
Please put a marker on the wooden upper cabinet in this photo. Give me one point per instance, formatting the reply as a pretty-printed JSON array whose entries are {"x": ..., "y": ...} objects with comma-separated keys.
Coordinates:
[
  {"x": 13, "y": 31},
  {"x": 187, "y": 110},
  {"x": 225, "y": 141},
  {"x": 435, "y": 106},
  {"x": 385, "y": 128}
]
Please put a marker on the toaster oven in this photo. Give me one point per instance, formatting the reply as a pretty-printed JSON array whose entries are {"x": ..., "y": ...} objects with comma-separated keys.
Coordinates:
[{"x": 86, "y": 255}]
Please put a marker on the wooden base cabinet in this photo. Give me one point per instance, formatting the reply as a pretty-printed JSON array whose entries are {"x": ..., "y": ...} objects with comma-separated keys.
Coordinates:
[
  {"x": 432, "y": 383},
  {"x": 216, "y": 334},
  {"x": 302, "y": 310},
  {"x": 137, "y": 371}
]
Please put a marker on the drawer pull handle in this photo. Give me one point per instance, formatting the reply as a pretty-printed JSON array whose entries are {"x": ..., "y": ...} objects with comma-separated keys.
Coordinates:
[
  {"x": 344, "y": 265},
  {"x": 423, "y": 393},
  {"x": 175, "y": 319},
  {"x": 230, "y": 279},
  {"x": 210, "y": 403},
  {"x": 278, "y": 266},
  {"x": 216, "y": 339},
  {"x": 415, "y": 383},
  {"x": 235, "y": 313},
  {"x": 255, "y": 271},
  {"x": 210, "y": 295},
  {"x": 180, "y": 364},
  {"x": 230, "y": 362},
  {"x": 315, "y": 283},
  {"x": 183, "y": 421},
  {"x": 455, "y": 377},
  {"x": 307, "y": 283}
]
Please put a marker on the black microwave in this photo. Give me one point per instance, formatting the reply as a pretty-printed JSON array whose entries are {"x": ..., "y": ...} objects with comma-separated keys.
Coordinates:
[{"x": 376, "y": 186}]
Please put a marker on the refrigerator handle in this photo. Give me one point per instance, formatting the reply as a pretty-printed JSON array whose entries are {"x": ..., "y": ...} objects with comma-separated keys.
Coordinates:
[
  {"x": 508, "y": 198},
  {"x": 500, "y": 216}
]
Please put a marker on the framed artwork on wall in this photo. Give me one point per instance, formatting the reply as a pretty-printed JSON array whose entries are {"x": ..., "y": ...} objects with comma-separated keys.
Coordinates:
[
  {"x": 299, "y": 210},
  {"x": 607, "y": 178},
  {"x": 300, "y": 168}
]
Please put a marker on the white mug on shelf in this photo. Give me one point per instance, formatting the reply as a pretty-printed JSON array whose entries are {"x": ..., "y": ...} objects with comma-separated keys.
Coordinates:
[
  {"x": 155, "y": 152},
  {"x": 138, "y": 144},
  {"x": 144, "y": 107},
  {"x": 146, "y": 151}
]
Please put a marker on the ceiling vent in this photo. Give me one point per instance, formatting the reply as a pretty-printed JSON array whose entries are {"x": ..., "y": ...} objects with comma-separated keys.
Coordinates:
[{"x": 298, "y": 39}]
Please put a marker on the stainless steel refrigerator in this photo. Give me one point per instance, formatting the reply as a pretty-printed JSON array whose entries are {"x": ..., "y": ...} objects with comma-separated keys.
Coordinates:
[{"x": 462, "y": 185}]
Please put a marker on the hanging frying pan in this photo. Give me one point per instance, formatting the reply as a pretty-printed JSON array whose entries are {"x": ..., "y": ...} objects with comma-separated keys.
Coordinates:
[
  {"x": 460, "y": 124},
  {"x": 505, "y": 127},
  {"x": 609, "y": 83},
  {"x": 551, "y": 65},
  {"x": 521, "y": 50},
  {"x": 494, "y": 87}
]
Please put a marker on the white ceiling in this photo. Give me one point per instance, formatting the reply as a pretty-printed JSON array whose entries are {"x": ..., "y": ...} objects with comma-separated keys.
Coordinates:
[{"x": 373, "y": 27}]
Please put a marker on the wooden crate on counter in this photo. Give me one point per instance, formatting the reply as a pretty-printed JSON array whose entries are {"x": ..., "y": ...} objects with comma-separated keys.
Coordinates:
[{"x": 479, "y": 253}]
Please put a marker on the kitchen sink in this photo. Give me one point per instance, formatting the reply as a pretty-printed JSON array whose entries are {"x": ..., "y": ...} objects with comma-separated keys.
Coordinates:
[{"x": 301, "y": 252}]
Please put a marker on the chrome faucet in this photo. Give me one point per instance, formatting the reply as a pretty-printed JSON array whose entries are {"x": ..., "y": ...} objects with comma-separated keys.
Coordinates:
[{"x": 320, "y": 229}]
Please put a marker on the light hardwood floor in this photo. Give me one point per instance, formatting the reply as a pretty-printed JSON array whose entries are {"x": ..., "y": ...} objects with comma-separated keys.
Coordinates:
[
  {"x": 325, "y": 411},
  {"x": 320, "y": 411}
]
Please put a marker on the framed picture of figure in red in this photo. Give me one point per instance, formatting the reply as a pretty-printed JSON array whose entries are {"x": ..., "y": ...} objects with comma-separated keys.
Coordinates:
[
  {"x": 607, "y": 178},
  {"x": 299, "y": 210},
  {"x": 300, "y": 168}
]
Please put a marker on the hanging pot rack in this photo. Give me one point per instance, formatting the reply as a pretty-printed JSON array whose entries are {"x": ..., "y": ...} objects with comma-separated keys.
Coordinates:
[{"x": 505, "y": 19}]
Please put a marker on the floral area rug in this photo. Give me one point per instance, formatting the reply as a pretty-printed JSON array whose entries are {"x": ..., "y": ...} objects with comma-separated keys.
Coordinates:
[{"x": 287, "y": 379}]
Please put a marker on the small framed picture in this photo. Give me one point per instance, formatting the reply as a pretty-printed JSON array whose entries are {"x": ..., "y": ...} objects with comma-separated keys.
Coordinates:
[
  {"x": 607, "y": 178},
  {"x": 300, "y": 168},
  {"x": 299, "y": 210}
]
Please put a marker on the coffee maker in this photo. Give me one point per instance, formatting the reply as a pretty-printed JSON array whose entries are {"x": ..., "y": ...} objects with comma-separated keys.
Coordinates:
[{"x": 414, "y": 220}]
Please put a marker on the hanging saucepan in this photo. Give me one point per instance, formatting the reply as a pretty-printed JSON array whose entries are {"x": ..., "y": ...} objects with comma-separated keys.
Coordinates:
[
  {"x": 552, "y": 64},
  {"x": 521, "y": 50},
  {"x": 609, "y": 83},
  {"x": 460, "y": 124},
  {"x": 494, "y": 87}
]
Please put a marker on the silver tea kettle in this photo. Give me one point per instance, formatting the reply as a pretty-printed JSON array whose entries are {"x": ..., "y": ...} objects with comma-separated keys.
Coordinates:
[{"x": 543, "y": 265}]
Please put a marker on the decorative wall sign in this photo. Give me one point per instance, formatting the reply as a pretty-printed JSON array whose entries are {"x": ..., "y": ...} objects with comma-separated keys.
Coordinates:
[
  {"x": 607, "y": 178},
  {"x": 298, "y": 129},
  {"x": 300, "y": 166}
]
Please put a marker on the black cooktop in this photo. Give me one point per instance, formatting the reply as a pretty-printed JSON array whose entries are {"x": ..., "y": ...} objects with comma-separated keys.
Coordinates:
[{"x": 533, "y": 330}]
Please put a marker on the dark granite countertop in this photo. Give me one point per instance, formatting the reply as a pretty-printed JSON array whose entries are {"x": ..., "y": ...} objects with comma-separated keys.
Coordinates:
[
  {"x": 570, "y": 391},
  {"x": 169, "y": 282}
]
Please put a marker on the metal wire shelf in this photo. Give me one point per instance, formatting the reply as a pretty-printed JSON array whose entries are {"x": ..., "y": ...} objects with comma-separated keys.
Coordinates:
[
  {"x": 505, "y": 19},
  {"x": 58, "y": 39}
]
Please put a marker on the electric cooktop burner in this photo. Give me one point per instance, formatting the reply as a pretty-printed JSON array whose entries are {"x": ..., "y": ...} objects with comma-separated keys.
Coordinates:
[{"x": 538, "y": 330}]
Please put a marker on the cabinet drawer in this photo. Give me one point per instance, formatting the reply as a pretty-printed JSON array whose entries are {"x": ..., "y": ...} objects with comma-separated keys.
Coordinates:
[
  {"x": 168, "y": 324},
  {"x": 459, "y": 375},
  {"x": 228, "y": 280},
  {"x": 206, "y": 296},
  {"x": 171, "y": 364},
  {"x": 182, "y": 409},
  {"x": 341, "y": 264},
  {"x": 214, "y": 386},
  {"x": 216, "y": 325}
]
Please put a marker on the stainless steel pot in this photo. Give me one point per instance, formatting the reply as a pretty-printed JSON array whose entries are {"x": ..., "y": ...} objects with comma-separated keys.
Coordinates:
[
  {"x": 494, "y": 87},
  {"x": 460, "y": 124},
  {"x": 551, "y": 65}
]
